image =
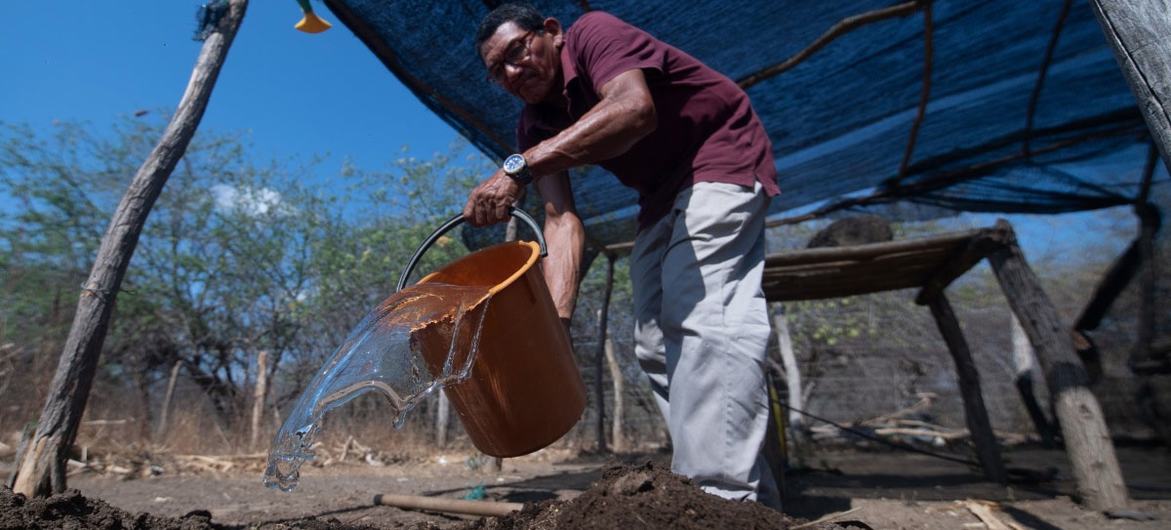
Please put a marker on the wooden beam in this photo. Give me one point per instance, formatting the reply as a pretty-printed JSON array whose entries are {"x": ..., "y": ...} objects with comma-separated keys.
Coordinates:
[
  {"x": 1137, "y": 33},
  {"x": 977, "y": 249},
  {"x": 868, "y": 251},
  {"x": 976, "y": 415},
  {"x": 1083, "y": 426}
]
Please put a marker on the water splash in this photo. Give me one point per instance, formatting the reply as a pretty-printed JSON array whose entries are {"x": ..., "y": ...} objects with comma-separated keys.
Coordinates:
[{"x": 385, "y": 354}]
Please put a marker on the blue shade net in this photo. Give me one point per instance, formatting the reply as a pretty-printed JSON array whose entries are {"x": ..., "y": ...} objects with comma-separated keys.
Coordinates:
[{"x": 839, "y": 120}]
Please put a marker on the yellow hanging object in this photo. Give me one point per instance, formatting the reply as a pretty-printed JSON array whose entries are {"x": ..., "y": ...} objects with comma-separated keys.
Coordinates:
[{"x": 311, "y": 23}]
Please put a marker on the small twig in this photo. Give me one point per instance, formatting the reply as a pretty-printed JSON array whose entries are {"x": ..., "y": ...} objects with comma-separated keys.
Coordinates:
[
  {"x": 925, "y": 93},
  {"x": 1044, "y": 71},
  {"x": 843, "y": 26}
]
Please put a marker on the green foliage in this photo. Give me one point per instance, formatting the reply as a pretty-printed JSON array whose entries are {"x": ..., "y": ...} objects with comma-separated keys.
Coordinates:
[{"x": 236, "y": 257}]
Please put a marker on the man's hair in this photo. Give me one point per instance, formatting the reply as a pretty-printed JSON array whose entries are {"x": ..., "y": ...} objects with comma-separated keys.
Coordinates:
[{"x": 522, "y": 14}]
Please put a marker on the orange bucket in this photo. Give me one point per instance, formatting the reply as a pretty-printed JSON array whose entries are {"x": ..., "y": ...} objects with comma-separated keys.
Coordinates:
[{"x": 524, "y": 390}]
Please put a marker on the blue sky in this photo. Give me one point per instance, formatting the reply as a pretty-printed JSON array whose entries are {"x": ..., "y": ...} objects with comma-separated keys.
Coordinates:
[{"x": 294, "y": 93}]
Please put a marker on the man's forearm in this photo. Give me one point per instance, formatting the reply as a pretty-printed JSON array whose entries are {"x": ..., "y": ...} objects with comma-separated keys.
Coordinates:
[
  {"x": 565, "y": 236},
  {"x": 625, "y": 115}
]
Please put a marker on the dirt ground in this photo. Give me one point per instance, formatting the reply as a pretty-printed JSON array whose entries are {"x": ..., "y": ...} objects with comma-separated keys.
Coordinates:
[{"x": 880, "y": 489}]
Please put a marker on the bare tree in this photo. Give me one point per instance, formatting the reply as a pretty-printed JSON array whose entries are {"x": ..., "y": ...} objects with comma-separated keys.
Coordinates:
[{"x": 41, "y": 468}]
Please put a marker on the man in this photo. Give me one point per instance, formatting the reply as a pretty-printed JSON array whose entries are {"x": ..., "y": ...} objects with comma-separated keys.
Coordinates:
[{"x": 686, "y": 138}]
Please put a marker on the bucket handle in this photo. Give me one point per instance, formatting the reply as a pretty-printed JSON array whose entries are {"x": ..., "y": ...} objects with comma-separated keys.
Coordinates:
[{"x": 455, "y": 221}]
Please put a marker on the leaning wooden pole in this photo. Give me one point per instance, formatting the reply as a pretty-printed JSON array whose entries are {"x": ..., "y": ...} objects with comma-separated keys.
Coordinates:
[
  {"x": 42, "y": 468},
  {"x": 1137, "y": 32},
  {"x": 1083, "y": 426},
  {"x": 975, "y": 413}
]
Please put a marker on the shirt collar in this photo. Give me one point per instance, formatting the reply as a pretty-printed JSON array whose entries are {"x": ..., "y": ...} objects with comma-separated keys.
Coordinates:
[{"x": 568, "y": 70}]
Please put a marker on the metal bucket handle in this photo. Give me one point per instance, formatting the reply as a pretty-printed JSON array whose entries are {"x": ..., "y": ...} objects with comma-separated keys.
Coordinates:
[{"x": 455, "y": 221}]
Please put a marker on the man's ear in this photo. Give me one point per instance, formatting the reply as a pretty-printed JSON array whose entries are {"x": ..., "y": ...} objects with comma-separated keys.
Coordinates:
[{"x": 553, "y": 28}]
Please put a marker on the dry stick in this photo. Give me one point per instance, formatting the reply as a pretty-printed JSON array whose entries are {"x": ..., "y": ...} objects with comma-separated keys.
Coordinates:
[
  {"x": 1036, "y": 96},
  {"x": 925, "y": 93},
  {"x": 415, "y": 502},
  {"x": 843, "y": 26},
  {"x": 43, "y": 464}
]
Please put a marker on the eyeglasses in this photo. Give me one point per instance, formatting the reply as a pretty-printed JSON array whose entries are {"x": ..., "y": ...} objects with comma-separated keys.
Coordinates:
[{"x": 518, "y": 51}]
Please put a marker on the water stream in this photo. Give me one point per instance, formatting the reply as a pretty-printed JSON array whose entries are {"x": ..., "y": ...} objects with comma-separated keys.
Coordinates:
[{"x": 385, "y": 354}]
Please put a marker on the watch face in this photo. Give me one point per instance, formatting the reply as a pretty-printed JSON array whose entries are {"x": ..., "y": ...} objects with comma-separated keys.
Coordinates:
[{"x": 514, "y": 164}]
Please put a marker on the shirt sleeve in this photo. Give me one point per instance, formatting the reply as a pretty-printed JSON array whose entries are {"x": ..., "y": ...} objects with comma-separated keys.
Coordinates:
[{"x": 605, "y": 47}]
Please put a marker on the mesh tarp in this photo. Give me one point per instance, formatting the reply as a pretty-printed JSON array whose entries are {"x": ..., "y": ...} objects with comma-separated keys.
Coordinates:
[{"x": 840, "y": 120}]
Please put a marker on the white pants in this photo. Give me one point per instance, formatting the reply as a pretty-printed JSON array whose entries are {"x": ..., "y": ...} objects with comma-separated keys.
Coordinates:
[{"x": 701, "y": 335}]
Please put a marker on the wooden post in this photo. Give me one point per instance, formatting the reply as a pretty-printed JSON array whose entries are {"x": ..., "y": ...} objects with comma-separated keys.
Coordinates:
[
  {"x": 258, "y": 395},
  {"x": 1025, "y": 364},
  {"x": 974, "y": 412},
  {"x": 1137, "y": 32},
  {"x": 619, "y": 438},
  {"x": 1083, "y": 427},
  {"x": 792, "y": 374},
  {"x": 42, "y": 468},
  {"x": 600, "y": 355}
]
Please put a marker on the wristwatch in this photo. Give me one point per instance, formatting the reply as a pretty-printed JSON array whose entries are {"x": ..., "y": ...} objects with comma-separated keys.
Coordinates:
[{"x": 515, "y": 166}]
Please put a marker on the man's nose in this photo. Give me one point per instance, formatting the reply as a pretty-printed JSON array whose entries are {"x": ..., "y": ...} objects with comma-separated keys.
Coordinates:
[{"x": 512, "y": 73}]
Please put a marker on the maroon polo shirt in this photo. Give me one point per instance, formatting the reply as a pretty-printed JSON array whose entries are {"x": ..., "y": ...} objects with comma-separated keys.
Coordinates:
[{"x": 707, "y": 130}]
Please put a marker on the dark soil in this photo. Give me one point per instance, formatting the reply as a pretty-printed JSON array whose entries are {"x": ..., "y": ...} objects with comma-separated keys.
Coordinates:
[
  {"x": 644, "y": 496},
  {"x": 72, "y": 510}
]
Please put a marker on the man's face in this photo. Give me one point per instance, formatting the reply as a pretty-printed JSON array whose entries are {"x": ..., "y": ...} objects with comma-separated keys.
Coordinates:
[{"x": 526, "y": 63}]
